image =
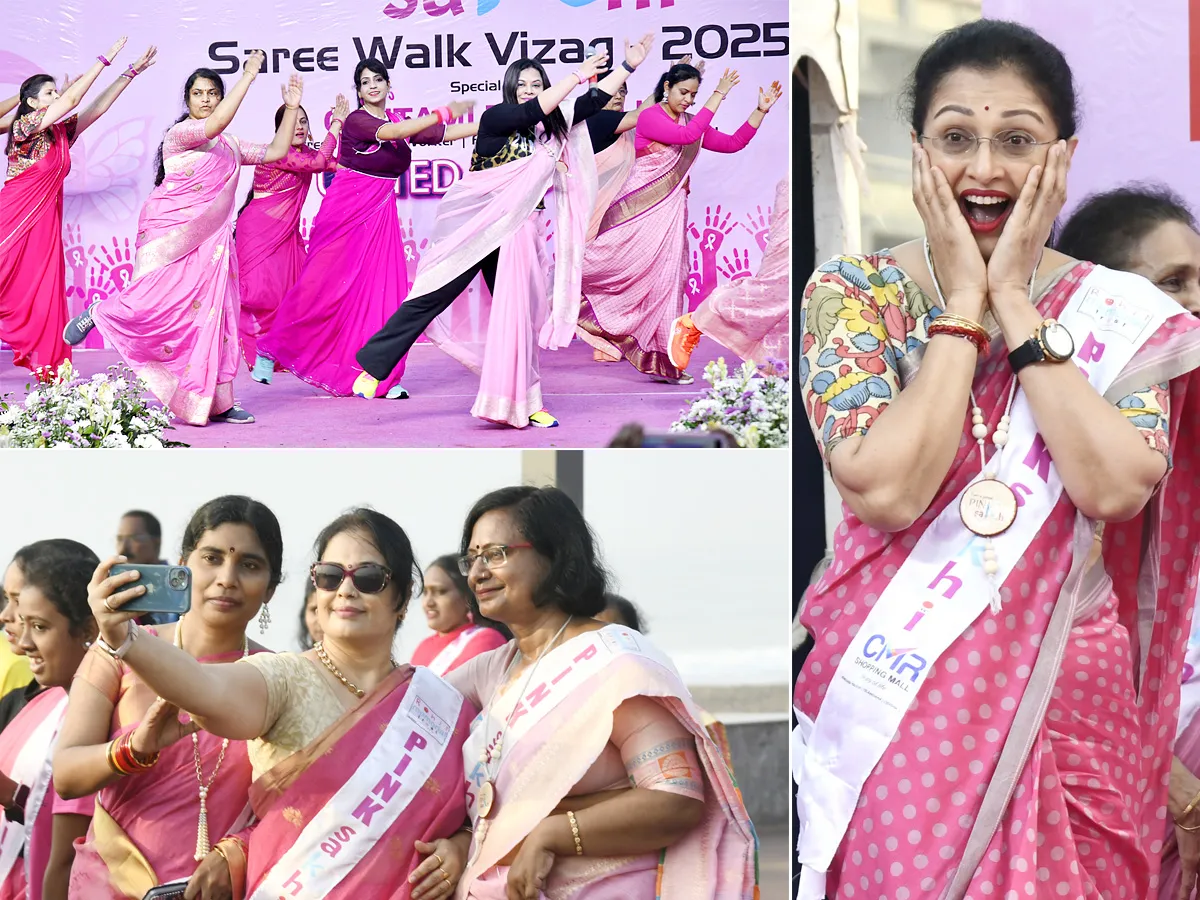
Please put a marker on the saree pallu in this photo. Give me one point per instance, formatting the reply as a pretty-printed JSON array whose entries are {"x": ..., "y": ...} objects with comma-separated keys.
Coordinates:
[
  {"x": 752, "y": 316},
  {"x": 551, "y": 743},
  {"x": 445, "y": 653},
  {"x": 176, "y": 323},
  {"x": 1033, "y": 758},
  {"x": 270, "y": 255},
  {"x": 33, "y": 287},
  {"x": 340, "y": 818},
  {"x": 635, "y": 270},
  {"x": 353, "y": 279}
]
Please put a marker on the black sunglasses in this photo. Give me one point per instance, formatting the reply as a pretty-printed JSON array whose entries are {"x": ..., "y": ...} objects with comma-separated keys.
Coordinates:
[{"x": 369, "y": 578}]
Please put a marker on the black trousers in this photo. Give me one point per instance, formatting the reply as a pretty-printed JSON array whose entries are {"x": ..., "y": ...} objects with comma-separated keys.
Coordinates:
[{"x": 387, "y": 346}]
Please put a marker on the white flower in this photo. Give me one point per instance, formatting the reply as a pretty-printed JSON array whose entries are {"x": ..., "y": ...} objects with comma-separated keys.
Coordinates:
[{"x": 147, "y": 441}]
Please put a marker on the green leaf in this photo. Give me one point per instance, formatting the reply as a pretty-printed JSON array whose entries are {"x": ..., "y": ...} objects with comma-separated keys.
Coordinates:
[
  {"x": 919, "y": 303},
  {"x": 823, "y": 308}
]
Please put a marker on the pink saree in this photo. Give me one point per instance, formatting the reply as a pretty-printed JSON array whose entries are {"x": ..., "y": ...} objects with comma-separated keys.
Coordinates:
[
  {"x": 1032, "y": 756},
  {"x": 176, "y": 323},
  {"x": 270, "y": 251},
  {"x": 340, "y": 818}
]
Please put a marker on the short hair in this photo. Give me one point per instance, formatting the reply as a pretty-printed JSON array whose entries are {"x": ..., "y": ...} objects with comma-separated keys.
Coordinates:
[
  {"x": 62, "y": 570},
  {"x": 627, "y": 612},
  {"x": 448, "y": 563},
  {"x": 1107, "y": 227},
  {"x": 149, "y": 520},
  {"x": 386, "y": 536}
]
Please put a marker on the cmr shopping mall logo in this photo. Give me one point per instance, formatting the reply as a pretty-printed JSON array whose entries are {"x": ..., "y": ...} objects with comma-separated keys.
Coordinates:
[{"x": 407, "y": 8}]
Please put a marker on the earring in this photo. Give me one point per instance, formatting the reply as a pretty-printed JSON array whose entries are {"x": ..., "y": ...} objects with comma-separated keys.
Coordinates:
[{"x": 264, "y": 619}]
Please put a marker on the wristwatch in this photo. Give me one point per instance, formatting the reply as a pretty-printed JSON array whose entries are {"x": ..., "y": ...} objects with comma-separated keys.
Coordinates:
[
  {"x": 1050, "y": 343},
  {"x": 119, "y": 652},
  {"x": 15, "y": 811}
]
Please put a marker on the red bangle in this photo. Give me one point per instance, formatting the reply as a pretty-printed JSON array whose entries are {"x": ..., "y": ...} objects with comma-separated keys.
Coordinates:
[
  {"x": 443, "y": 114},
  {"x": 961, "y": 331}
]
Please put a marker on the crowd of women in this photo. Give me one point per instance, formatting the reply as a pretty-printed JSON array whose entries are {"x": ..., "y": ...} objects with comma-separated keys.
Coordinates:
[
  {"x": 341, "y": 314},
  {"x": 1000, "y": 697},
  {"x": 531, "y": 750}
]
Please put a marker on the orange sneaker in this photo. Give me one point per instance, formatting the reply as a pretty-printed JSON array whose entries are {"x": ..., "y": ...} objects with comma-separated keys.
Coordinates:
[{"x": 684, "y": 337}]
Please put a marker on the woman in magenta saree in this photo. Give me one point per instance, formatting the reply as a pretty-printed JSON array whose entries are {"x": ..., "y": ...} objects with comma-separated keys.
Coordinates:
[
  {"x": 635, "y": 270},
  {"x": 989, "y": 707},
  {"x": 33, "y": 305},
  {"x": 270, "y": 250},
  {"x": 176, "y": 323}
]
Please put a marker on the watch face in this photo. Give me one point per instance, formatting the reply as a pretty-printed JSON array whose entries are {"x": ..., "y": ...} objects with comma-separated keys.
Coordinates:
[{"x": 1058, "y": 341}]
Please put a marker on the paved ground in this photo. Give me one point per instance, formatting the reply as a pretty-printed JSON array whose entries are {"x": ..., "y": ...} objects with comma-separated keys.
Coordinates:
[{"x": 773, "y": 856}]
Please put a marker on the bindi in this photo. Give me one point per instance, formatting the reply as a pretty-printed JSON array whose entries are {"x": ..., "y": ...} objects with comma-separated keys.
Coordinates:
[{"x": 986, "y": 108}]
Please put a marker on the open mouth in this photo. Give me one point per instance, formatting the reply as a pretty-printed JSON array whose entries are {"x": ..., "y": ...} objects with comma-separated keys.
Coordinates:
[{"x": 985, "y": 211}]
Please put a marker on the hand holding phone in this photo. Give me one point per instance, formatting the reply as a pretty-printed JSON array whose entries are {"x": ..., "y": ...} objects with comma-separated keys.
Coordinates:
[{"x": 168, "y": 588}]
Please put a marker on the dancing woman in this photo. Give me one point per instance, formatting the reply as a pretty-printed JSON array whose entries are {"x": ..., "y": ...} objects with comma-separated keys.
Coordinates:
[
  {"x": 270, "y": 250},
  {"x": 459, "y": 634},
  {"x": 121, "y": 740},
  {"x": 355, "y": 276},
  {"x": 490, "y": 222},
  {"x": 322, "y": 722},
  {"x": 176, "y": 322},
  {"x": 635, "y": 270},
  {"x": 33, "y": 299},
  {"x": 970, "y": 395}
]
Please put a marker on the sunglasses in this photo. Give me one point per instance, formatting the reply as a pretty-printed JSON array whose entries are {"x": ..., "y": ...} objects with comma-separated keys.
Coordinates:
[{"x": 369, "y": 578}]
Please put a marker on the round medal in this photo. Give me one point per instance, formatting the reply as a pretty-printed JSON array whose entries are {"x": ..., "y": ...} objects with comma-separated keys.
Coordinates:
[
  {"x": 487, "y": 799},
  {"x": 988, "y": 507}
]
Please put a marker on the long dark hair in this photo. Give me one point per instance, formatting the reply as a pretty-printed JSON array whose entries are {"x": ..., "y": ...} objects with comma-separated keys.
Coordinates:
[
  {"x": 369, "y": 65},
  {"x": 556, "y": 123},
  {"x": 278, "y": 120},
  {"x": 30, "y": 88},
  {"x": 61, "y": 570},
  {"x": 677, "y": 73},
  {"x": 449, "y": 565},
  {"x": 234, "y": 509},
  {"x": 207, "y": 74}
]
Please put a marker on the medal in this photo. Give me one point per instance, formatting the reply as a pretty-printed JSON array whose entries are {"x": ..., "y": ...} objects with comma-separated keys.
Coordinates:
[
  {"x": 486, "y": 800},
  {"x": 988, "y": 507}
]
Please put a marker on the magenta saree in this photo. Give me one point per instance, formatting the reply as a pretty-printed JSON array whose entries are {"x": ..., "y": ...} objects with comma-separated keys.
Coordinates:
[{"x": 1032, "y": 757}]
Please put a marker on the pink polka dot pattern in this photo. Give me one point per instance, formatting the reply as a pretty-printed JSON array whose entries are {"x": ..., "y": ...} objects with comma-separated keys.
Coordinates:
[{"x": 1087, "y": 817}]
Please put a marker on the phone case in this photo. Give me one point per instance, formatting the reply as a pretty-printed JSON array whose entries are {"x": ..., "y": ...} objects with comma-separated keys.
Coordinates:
[
  {"x": 171, "y": 891},
  {"x": 168, "y": 588}
]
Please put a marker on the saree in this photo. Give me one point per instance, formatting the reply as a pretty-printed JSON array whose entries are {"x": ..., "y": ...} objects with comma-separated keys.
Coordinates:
[
  {"x": 442, "y": 653},
  {"x": 494, "y": 209},
  {"x": 176, "y": 324},
  {"x": 144, "y": 829},
  {"x": 340, "y": 818},
  {"x": 560, "y": 728},
  {"x": 33, "y": 287},
  {"x": 944, "y": 750}
]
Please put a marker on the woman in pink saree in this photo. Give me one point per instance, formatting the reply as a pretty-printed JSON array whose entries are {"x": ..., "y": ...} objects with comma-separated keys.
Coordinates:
[
  {"x": 176, "y": 323},
  {"x": 33, "y": 304},
  {"x": 459, "y": 634},
  {"x": 146, "y": 830},
  {"x": 589, "y": 772},
  {"x": 989, "y": 707},
  {"x": 635, "y": 270},
  {"x": 492, "y": 222},
  {"x": 357, "y": 762},
  {"x": 355, "y": 277},
  {"x": 270, "y": 249}
]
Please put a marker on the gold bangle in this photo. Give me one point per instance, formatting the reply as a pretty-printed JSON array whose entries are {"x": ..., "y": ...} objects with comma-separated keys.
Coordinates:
[
  {"x": 1187, "y": 809},
  {"x": 575, "y": 833}
]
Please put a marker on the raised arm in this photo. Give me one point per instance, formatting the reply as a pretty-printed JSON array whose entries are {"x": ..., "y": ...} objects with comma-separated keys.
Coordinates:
[
  {"x": 731, "y": 143},
  {"x": 292, "y": 93},
  {"x": 220, "y": 118},
  {"x": 551, "y": 97},
  {"x": 6, "y": 112},
  {"x": 101, "y": 104},
  {"x": 397, "y": 131},
  {"x": 71, "y": 97},
  {"x": 635, "y": 55}
]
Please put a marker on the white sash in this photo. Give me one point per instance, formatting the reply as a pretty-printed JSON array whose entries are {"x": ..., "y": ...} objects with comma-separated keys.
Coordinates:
[
  {"x": 373, "y": 797},
  {"x": 31, "y": 768},
  {"x": 941, "y": 588},
  {"x": 444, "y": 660}
]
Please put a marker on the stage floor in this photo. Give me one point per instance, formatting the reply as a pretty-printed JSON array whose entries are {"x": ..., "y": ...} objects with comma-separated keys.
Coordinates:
[{"x": 591, "y": 400}]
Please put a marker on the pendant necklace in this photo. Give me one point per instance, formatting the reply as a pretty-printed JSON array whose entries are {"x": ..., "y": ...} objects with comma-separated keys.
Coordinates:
[{"x": 487, "y": 793}]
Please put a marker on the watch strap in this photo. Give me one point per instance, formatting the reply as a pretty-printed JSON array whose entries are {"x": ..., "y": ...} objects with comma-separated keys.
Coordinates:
[
  {"x": 119, "y": 652},
  {"x": 1027, "y": 354}
]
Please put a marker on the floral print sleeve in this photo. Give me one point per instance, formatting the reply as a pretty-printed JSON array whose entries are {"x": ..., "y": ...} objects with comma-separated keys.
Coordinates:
[
  {"x": 1149, "y": 411},
  {"x": 859, "y": 316}
]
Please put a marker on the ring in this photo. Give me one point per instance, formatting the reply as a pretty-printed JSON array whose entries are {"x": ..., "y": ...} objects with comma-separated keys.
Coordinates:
[
  {"x": 441, "y": 862},
  {"x": 106, "y": 606},
  {"x": 445, "y": 877}
]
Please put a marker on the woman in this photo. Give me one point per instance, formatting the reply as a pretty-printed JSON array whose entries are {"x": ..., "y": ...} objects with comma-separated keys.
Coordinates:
[
  {"x": 36, "y": 839},
  {"x": 750, "y": 316},
  {"x": 1037, "y": 709},
  {"x": 150, "y": 825},
  {"x": 338, "y": 732},
  {"x": 176, "y": 323},
  {"x": 606, "y": 710},
  {"x": 269, "y": 246},
  {"x": 458, "y": 634},
  {"x": 310, "y": 625},
  {"x": 355, "y": 275},
  {"x": 491, "y": 221},
  {"x": 630, "y": 301},
  {"x": 33, "y": 305}
]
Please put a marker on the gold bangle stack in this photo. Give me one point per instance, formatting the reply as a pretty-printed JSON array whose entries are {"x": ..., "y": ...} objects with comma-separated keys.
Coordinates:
[
  {"x": 1183, "y": 815},
  {"x": 575, "y": 833},
  {"x": 961, "y": 326}
]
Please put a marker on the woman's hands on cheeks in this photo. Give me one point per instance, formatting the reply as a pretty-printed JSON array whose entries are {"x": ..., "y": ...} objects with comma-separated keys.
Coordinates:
[
  {"x": 438, "y": 874},
  {"x": 107, "y": 594},
  {"x": 530, "y": 869},
  {"x": 211, "y": 880}
]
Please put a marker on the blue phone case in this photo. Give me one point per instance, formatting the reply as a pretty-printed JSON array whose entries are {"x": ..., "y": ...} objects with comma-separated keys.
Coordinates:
[{"x": 168, "y": 588}]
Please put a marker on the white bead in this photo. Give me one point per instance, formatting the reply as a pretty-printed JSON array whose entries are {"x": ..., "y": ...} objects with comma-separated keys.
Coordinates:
[
  {"x": 989, "y": 553},
  {"x": 1004, "y": 420},
  {"x": 976, "y": 420},
  {"x": 979, "y": 431},
  {"x": 1000, "y": 438},
  {"x": 976, "y": 411},
  {"x": 991, "y": 566}
]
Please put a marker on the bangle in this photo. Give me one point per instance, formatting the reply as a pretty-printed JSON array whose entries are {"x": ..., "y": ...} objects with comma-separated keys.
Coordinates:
[
  {"x": 626, "y": 66},
  {"x": 123, "y": 759},
  {"x": 130, "y": 72},
  {"x": 960, "y": 326},
  {"x": 1186, "y": 810},
  {"x": 580, "y": 77},
  {"x": 443, "y": 114},
  {"x": 103, "y": 60},
  {"x": 575, "y": 833}
]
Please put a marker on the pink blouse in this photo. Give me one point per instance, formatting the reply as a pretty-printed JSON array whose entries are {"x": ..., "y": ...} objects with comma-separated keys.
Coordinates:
[
  {"x": 294, "y": 172},
  {"x": 655, "y": 126},
  {"x": 189, "y": 135}
]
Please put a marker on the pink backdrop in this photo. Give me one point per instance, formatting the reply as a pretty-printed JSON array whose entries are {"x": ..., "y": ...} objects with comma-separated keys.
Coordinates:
[{"x": 438, "y": 50}]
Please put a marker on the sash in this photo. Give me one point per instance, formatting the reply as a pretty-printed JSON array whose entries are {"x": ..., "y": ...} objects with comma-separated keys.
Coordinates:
[
  {"x": 32, "y": 767},
  {"x": 910, "y": 626},
  {"x": 444, "y": 660},
  {"x": 372, "y": 798}
]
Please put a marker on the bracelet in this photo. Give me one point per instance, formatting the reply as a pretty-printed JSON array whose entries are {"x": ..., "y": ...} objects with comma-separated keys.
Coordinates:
[
  {"x": 960, "y": 326},
  {"x": 122, "y": 758},
  {"x": 130, "y": 72},
  {"x": 575, "y": 833},
  {"x": 580, "y": 77},
  {"x": 443, "y": 114},
  {"x": 626, "y": 66},
  {"x": 1186, "y": 810},
  {"x": 119, "y": 652},
  {"x": 103, "y": 60}
]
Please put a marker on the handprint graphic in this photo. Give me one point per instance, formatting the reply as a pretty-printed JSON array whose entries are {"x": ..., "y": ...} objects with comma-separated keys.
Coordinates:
[
  {"x": 703, "y": 278},
  {"x": 759, "y": 226},
  {"x": 77, "y": 265},
  {"x": 737, "y": 266},
  {"x": 119, "y": 262},
  {"x": 412, "y": 250}
]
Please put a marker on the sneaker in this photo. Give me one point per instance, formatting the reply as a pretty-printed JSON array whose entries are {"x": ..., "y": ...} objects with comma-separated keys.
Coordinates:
[
  {"x": 684, "y": 337},
  {"x": 543, "y": 419},
  {"x": 365, "y": 386},
  {"x": 234, "y": 415},
  {"x": 685, "y": 379},
  {"x": 79, "y": 327},
  {"x": 397, "y": 393},
  {"x": 263, "y": 370}
]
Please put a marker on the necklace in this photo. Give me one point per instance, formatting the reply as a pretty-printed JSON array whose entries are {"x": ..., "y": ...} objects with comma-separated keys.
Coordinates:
[
  {"x": 202, "y": 842},
  {"x": 358, "y": 692},
  {"x": 487, "y": 793}
]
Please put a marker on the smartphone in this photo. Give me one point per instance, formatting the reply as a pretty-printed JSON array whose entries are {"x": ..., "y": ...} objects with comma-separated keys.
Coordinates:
[
  {"x": 172, "y": 890},
  {"x": 592, "y": 50},
  {"x": 168, "y": 588},
  {"x": 695, "y": 439}
]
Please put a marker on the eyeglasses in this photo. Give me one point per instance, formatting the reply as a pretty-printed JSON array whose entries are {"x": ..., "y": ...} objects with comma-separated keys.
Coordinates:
[
  {"x": 369, "y": 578},
  {"x": 493, "y": 557},
  {"x": 1009, "y": 144}
]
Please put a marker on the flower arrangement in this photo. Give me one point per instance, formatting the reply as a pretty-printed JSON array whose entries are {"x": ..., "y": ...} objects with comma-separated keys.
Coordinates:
[
  {"x": 753, "y": 404},
  {"x": 67, "y": 410}
]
